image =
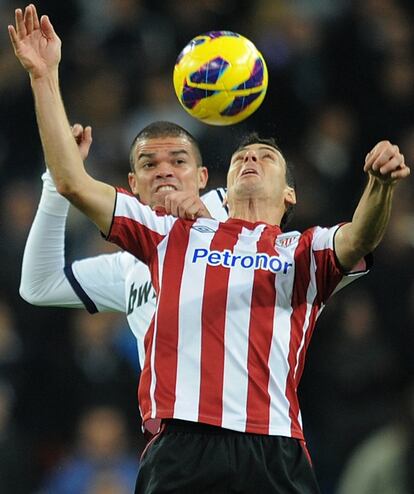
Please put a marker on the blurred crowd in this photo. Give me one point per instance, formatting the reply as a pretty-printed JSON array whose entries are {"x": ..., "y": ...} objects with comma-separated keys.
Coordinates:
[{"x": 341, "y": 79}]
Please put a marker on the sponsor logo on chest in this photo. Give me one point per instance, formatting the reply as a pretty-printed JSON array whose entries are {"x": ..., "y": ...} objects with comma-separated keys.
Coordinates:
[{"x": 228, "y": 259}]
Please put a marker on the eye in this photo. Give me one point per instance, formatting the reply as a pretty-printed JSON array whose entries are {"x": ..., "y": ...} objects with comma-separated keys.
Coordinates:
[
  {"x": 148, "y": 165},
  {"x": 268, "y": 156},
  {"x": 180, "y": 161}
]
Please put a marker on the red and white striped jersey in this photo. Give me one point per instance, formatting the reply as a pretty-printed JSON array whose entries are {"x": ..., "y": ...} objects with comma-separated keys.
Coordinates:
[{"x": 237, "y": 303}]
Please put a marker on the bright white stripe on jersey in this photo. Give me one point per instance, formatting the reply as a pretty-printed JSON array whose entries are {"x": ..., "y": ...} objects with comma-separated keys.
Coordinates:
[
  {"x": 279, "y": 420},
  {"x": 310, "y": 298},
  {"x": 161, "y": 251},
  {"x": 236, "y": 344},
  {"x": 189, "y": 335}
]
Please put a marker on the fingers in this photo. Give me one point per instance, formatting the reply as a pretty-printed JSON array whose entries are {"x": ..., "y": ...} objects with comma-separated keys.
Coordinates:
[
  {"x": 403, "y": 172},
  {"x": 19, "y": 21},
  {"x": 28, "y": 19},
  {"x": 77, "y": 130},
  {"x": 185, "y": 205},
  {"x": 13, "y": 36},
  {"x": 87, "y": 134},
  {"x": 36, "y": 23},
  {"x": 179, "y": 206},
  {"x": 83, "y": 138},
  {"x": 47, "y": 28},
  {"x": 25, "y": 22},
  {"x": 385, "y": 160}
]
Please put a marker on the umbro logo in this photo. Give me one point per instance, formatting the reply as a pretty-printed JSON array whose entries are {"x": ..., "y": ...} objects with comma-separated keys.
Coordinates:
[{"x": 203, "y": 229}]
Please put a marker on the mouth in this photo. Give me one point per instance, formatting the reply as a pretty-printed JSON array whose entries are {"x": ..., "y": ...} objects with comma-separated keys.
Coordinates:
[
  {"x": 249, "y": 171},
  {"x": 165, "y": 188}
]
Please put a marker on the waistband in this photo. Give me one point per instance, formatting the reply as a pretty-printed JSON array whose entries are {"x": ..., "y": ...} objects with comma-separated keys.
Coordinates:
[{"x": 178, "y": 425}]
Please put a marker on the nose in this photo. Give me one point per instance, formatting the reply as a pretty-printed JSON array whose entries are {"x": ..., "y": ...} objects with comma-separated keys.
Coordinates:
[
  {"x": 164, "y": 170},
  {"x": 250, "y": 156}
]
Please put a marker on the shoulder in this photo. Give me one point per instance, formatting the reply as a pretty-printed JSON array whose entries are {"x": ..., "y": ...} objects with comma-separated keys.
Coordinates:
[{"x": 320, "y": 237}]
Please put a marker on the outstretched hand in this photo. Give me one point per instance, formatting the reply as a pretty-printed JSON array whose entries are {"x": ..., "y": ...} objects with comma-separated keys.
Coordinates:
[
  {"x": 35, "y": 42},
  {"x": 83, "y": 138},
  {"x": 386, "y": 163}
]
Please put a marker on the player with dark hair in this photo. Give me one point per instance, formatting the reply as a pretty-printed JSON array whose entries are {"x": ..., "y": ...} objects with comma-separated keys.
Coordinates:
[
  {"x": 162, "y": 129},
  {"x": 114, "y": 282},
  {"x": 254, "y": 138},
  {"x": 237, "y": 301}
]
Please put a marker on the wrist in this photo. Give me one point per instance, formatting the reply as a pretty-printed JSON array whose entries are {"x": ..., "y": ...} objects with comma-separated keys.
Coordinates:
[
  {"x": 48, "y": 78},
  {"x": 382, "y": 180}
]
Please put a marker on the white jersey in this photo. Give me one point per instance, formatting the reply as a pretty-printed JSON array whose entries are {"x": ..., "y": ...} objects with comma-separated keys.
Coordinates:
[
  {"x": 237, "y": 303},
  {"x": 116, "y": 282},
  {"x": 119, "y": 282}
]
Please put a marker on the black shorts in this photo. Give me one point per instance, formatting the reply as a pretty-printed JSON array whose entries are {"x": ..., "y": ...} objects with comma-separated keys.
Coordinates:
[{"x": 192, "y": 458}]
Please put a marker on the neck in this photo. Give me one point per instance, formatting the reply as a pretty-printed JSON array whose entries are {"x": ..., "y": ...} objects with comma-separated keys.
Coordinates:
[{"x": 256, "y": 210}]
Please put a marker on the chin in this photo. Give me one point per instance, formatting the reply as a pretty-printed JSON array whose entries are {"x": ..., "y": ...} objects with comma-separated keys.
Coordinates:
[{"x": 250, "y": 189}]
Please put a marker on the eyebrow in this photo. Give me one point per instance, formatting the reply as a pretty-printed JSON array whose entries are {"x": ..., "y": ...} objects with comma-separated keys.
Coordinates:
[
  {"x": 171, "y": 153},
  {"x": 261, "y": 148}
]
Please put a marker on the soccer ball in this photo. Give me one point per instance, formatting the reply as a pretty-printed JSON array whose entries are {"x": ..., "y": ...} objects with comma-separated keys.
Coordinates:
[{"x": 220, "y": 78}]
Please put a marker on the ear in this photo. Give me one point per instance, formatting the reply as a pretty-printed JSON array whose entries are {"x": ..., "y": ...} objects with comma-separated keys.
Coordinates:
[
  {"x": 132, "y": 180},
  {"x": 202, "y": 177},
  {"x": 290, "y": 196}
]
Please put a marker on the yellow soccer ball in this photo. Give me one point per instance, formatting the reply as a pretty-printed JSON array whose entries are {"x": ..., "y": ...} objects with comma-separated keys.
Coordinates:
[{"x": 220, "y": 78}]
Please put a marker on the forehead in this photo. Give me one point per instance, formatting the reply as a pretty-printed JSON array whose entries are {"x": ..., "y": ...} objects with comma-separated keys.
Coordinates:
[
  {"x": 260, "y": 147},
  {"x": 159, "y": 145}
]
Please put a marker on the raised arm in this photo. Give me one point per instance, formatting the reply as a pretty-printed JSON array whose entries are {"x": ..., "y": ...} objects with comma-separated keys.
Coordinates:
[
  {"x": 385, "y": 166},
  {"x": 38, "y": 48},
  {"x": 43, "y": 280}
]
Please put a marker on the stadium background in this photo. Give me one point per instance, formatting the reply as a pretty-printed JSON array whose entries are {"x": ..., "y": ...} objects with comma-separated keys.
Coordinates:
[{"x": 341, "y": 79}]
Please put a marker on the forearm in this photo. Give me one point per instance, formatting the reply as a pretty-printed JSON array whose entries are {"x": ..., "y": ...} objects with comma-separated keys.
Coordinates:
[
  {"x": 369, "y": 222},
  {"x": 372, "y": 215},
  {"x": 43, "y": 281},
  {"x": 60, "y": 150},
  {"x": 62, "y": 155}
]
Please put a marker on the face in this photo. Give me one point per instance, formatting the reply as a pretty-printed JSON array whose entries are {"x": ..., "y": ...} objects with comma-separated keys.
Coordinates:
[
  {"x": 163, "y": 165},
  {"x": 258, "y": 170}
]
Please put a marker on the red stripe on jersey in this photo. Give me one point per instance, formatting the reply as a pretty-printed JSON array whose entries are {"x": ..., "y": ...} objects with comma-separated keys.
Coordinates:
[
  {"x": 311, "y": 326},
  {"x": 297, "y": 320},
  {"x": 134, "y": 237},
  {"x": 166, "y": 337},
  {"x": 262, "y": 311},
  {"x": 144, "y": 398},
  {"x": 153, "y": 267},
  {"x": 327, "y": 278},
  {"x": 328, "y": 273},
  {"x": 212, "y": 335}
]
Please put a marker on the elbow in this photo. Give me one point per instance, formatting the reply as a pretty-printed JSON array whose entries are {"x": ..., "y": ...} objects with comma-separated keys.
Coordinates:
[
  {"x": 72, "y": 193},
  {"x": 29, "y": 295},
  {"x": 359, "y": 250},
  {"x": 65, "y": 189},
  {"x": 362, "y": 247},
  {"x": 33, "y": 291},
  {"x": 75, "y": 190}
]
